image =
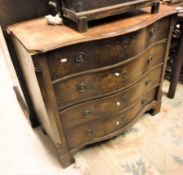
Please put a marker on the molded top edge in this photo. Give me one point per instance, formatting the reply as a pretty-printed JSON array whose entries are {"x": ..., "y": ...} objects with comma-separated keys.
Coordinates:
[{"x": 38, "y": 37}]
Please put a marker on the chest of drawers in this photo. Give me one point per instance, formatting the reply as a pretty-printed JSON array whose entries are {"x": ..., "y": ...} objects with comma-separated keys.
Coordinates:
[{"x": 90, "y": 87}]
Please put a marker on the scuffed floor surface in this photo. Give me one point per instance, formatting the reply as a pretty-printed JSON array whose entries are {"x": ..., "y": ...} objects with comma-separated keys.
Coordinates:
[{"x": 153, "y": 146}]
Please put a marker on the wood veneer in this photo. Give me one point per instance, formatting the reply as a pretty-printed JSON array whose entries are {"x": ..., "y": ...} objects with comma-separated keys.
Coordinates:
[{"x": 55, "y": 94}]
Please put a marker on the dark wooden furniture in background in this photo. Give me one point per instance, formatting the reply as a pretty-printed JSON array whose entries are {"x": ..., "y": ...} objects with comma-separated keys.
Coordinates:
[
  {"x": 90, "y": 87},
  {"x": 13, "y": 12},
  {"x": 82, "y": 11},
  {"x": 175, "y": 68},
  {"x": 175, "y": 74}
]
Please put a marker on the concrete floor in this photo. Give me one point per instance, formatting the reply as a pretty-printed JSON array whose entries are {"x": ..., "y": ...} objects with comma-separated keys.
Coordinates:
[{"x": 27, "y": 151}]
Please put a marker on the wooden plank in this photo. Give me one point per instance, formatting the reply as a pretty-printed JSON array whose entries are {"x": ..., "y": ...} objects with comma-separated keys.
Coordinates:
[
  {"x": 99, "y": 162},
  {"x": 82, "y": 165},
  {"x": 109, "y": 10}
]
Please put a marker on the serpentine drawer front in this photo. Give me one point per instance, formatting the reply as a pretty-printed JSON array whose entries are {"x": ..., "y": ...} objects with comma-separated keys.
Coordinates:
[
  {"x": 97, "y": 129},
  {"x": 83, "y": 113},
  {"x": 95, "y": 54},
  {"x": 107, "y": 80},
  {"x": 89, "y": 87}
]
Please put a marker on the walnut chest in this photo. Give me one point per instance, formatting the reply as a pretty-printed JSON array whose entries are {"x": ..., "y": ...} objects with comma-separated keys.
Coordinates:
[{"x": 90, "y": 87}]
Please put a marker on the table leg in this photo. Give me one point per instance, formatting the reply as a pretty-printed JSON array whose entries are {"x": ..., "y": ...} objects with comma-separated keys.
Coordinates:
[{"x": 176, "y": 70}]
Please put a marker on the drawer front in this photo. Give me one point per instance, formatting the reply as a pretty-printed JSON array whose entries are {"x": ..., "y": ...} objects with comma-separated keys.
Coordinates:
[
  {"x": 91, "y": 55},
  {"x": 107, "y": 81},
  {"x": 100, "y": 128},
  {"x": 102, "y": 108}
]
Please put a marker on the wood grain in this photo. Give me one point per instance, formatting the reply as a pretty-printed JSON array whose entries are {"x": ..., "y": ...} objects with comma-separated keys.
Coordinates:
[
  {"x": 95, "y": 131},
  {"x": 64, "y": 62},
  {"x": 107, "y": 80},
  {"x": 54, "y": 91},
  {"x": 45, "y": 37},
  {"x": 109, "y": 106}
]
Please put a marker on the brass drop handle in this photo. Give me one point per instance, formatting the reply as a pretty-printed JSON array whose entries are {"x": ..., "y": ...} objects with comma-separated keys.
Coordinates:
[
  {"x": 87, "y": 113},
  {"x": 82, "y": 88},
  {"x": 144, "y": 101},
  {"x": 149, "y": 60},
  {"x": 90, "y": 132},
  {"x": 80, "y": 57},
  {"x": 147, "y": 82},
  {"x": 152, "y": 31}
]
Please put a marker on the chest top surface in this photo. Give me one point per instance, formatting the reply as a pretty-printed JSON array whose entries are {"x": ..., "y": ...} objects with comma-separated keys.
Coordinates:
[{"x": 38, "y": 37}]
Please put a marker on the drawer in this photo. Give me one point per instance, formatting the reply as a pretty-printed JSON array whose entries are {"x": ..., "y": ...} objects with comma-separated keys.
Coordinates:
[
  {"x": 102, "y": 108},
  {"x": 106, "y": 81},
  {"x": 96, "y": 54},
  {"x": 95, "y": 130}
]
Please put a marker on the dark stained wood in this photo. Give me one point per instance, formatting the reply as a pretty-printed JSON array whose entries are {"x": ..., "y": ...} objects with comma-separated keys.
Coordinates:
[
  {"x": 172, "y": 24},
  {"x": 85, "y": 5},
  {"x": 103, "y": 80},
  {"x": 90, "y": 55},
  {"x": 101, "y": 108},
  {"x": 155, "y": 7},
  {"x": 176, "y": 68},
  {"x": 102, "y": 127},
  {"x": 107, "y": 80},
  {"x": 51, "y": 106},
  {"x": 81, "y": 11}
]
